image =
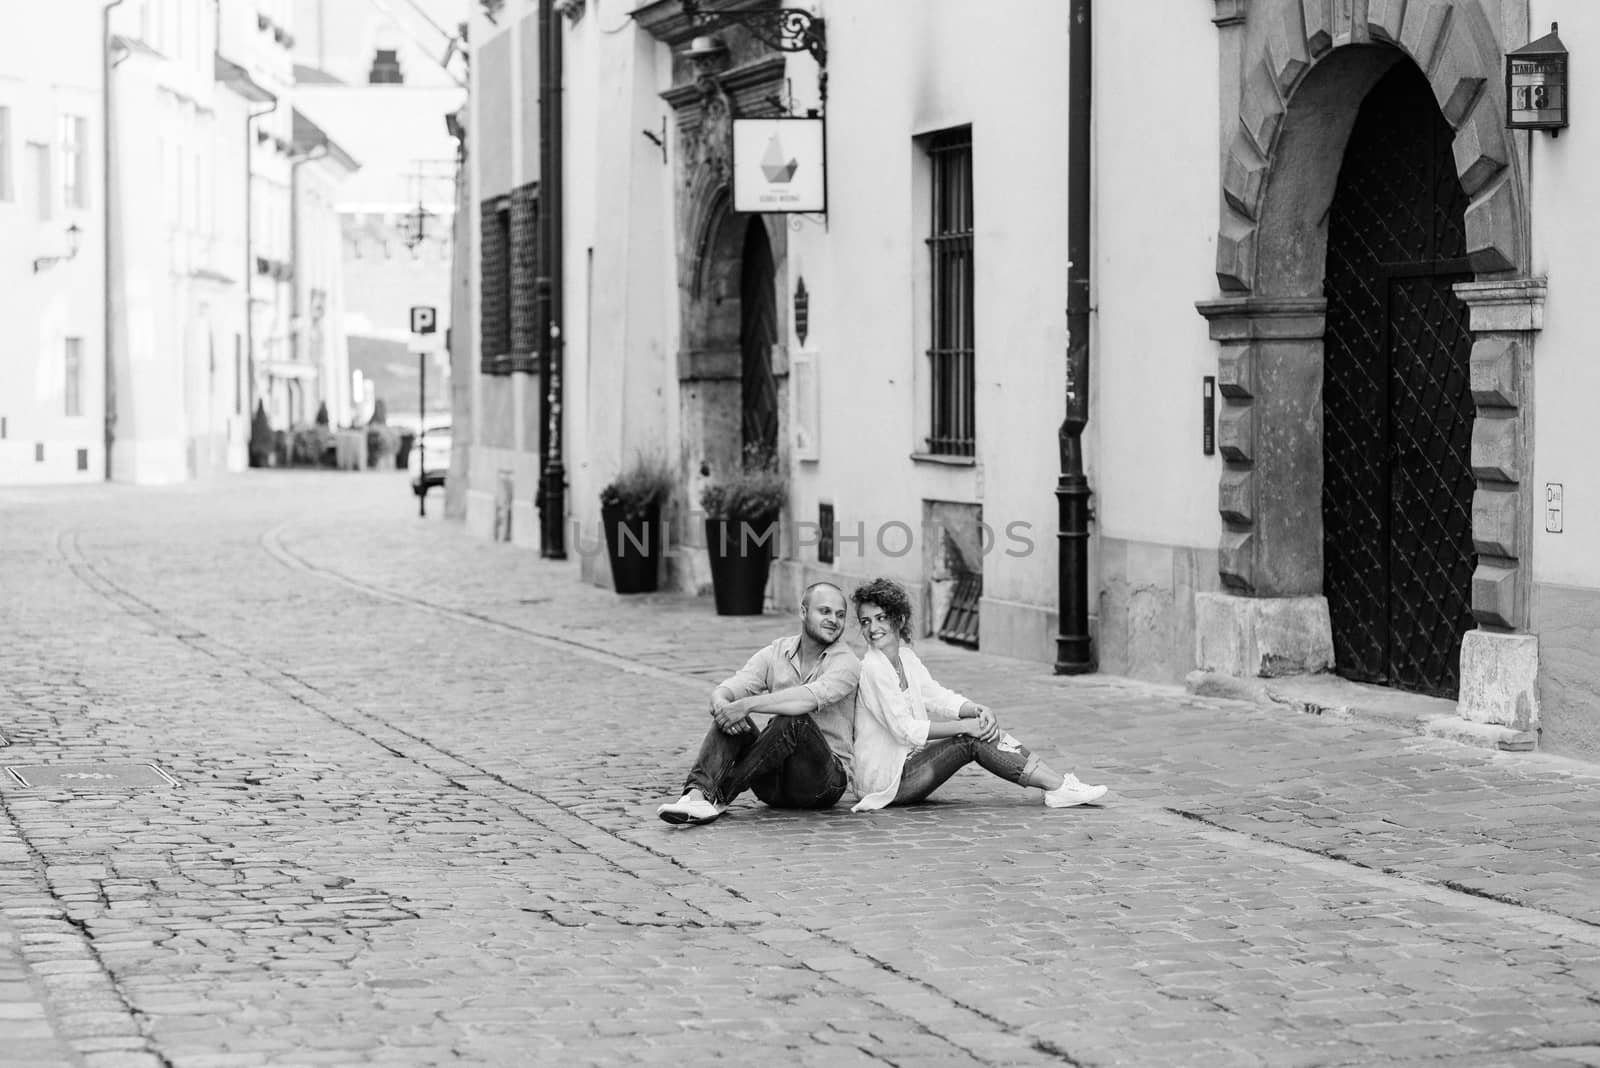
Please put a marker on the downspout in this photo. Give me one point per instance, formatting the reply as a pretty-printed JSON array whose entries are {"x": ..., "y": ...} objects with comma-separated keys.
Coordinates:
[
  {"x": 1074, "y": 651},
  {"x": 108, "y": 368},
  {"x": 249, "y": 252},
  {"x": 553, "y": 478}
]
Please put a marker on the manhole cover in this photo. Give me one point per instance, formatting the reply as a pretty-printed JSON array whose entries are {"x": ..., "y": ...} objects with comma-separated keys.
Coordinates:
[{"x": 90, "y": 776}]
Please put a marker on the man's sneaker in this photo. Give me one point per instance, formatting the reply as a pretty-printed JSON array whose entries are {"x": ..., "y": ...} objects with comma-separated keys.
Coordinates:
[
  {"x": 692, "y": 807},
  {"x": 1072, "y": 792}
]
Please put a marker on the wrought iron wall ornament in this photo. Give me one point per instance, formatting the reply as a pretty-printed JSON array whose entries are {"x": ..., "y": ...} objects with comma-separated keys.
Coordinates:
[
  {"x": 802, "y": 310},
  {"x": 786, "y": 29}
]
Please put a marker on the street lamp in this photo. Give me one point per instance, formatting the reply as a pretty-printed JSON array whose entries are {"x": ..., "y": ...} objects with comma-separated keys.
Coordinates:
[
  {"x": 73, "y": 233},
  {"x": 414, "y": 225}
]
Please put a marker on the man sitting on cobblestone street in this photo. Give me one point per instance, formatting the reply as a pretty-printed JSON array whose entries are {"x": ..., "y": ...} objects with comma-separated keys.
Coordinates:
[{"x": 801, "y": 758}]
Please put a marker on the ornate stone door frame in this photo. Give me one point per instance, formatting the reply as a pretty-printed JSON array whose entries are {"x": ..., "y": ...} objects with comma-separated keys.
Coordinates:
[
  {"x": 1294, "y": 73},
  {"x": 744, "y": 78}
]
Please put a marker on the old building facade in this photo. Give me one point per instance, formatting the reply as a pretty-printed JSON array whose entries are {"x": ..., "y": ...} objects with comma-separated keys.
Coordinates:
[
  {"x": 52, "y": 225},
  {"x": 1325, "y": 306}
]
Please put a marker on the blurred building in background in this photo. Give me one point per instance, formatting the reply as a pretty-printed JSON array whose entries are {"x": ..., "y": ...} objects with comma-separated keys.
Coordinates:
[{"x": 52, "y": 231}]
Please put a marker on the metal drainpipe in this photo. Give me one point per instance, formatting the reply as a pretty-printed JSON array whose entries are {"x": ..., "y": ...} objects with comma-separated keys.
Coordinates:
[
  {"x": 108, "y": 368},
  {"x": 553, "y": 478},
  {"x": 1074, "y": 651},
  {"x": 249, "y": 253}
]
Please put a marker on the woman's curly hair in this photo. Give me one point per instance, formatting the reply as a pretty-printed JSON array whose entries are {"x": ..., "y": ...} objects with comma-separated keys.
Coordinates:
[{"x": 890, "y": 596}]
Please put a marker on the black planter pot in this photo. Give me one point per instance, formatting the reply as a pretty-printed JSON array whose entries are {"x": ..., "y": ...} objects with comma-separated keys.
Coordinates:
[
  {"x": 741, "y": 555},
  {"x": 634, "y": 546}
]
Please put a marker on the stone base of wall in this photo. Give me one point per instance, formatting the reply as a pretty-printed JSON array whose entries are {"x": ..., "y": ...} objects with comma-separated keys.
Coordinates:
[
  {"x": 1025, "y": 631},
  {"x": 1500, "y": 679},
  {"x": 1262, "y": 637},
  {"x": 490, "y": 501},
  {"x": 1568, "y": 622},
  {"x": 1147, "y": 607}
]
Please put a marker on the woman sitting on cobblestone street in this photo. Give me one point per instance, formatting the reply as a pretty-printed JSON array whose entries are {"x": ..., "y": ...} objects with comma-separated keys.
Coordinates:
[{"x": 913, "y": 734}]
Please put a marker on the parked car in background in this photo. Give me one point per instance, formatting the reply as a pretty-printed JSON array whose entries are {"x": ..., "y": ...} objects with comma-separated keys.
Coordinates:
[{"x": 430, "y": 458}]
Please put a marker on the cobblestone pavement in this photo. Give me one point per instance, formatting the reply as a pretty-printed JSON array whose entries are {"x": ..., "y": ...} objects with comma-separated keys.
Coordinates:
[{"x": 414, "y": 825}]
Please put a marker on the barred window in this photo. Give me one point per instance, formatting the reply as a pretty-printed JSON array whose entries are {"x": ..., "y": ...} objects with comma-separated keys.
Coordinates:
[
  {"x": 495, "y": 280},
  {"x": 950, "y": 249}
]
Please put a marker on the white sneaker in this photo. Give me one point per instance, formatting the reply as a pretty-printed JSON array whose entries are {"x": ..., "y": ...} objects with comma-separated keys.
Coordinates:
[
  {"x": 1072, "y": 792},
  {"x": 692, "y": 807}
]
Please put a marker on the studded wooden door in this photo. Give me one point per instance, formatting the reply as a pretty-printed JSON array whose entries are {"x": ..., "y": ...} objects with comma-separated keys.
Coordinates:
[
  {"x": 758, "y": 332},
  {"x": 1397, "y": 406}
]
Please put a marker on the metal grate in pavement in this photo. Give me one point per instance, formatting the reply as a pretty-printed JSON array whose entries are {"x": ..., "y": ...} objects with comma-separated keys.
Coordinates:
[{"x": 90, "y": 776}]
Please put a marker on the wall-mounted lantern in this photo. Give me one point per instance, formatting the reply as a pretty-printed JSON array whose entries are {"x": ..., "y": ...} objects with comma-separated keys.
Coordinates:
[
  {"x": 1536, "y": 85},
  {"x": 73, "y": 233}
]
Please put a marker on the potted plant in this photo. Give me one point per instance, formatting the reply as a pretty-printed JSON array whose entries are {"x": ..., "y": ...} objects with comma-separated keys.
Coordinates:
[
  {"x": 741, "y": 526},
  {"x": 630, "y": 511},
  {"x": 261, "y": 454}
]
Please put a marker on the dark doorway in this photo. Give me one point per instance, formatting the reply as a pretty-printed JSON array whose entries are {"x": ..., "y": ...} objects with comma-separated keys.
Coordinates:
[
  {"x": 1397, "y": 405},
  {"x": 758, "y": 332}
]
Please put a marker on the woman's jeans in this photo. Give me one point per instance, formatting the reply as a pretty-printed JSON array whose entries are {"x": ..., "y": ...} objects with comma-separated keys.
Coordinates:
[
  {"x": 788, "y": 765},
  {"x": 931, "y": 766}
]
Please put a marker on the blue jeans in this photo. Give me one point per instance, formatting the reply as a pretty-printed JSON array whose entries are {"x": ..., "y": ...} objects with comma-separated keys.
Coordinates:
[
  {"x": 931, "y": 766},
  {"x": 787, "y": 765}
]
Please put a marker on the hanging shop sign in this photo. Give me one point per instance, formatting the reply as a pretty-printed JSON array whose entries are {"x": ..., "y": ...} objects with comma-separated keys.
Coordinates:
[{"x": 779, "y": 165}]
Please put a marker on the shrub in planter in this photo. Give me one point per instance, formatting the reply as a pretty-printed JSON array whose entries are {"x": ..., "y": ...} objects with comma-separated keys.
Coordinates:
[
  {"x": 402, "y": 449},
  {"x": 630, "y": 511},
  {"x": 260, "y": 438},
  {"x": 383, "y": 442},
  {"x": 741, "y": 526},
  {"x": 311, "y": 446}
]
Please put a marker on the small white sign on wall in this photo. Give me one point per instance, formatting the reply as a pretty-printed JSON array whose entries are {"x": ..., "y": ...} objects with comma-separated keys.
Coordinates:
[
  {"x": 779, "y": 165},
  {"x": 1554, "y": 507},
  {"x": 806, "y": 411}
]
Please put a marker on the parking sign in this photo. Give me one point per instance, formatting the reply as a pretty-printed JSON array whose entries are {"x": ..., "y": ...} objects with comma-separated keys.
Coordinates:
[{"x": 422, "y": 319}]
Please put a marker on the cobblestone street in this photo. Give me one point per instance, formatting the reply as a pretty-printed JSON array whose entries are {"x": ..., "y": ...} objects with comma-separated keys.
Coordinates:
[{"x": 414, "y": 824}]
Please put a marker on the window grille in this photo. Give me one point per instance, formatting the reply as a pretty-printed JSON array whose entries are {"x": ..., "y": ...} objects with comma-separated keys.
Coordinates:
[{"x": 950, "y": 249}]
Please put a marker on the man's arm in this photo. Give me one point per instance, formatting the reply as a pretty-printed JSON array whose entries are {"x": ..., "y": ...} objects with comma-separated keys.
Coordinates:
[
  {"x": 838, "y": 681},
  {"x": 750, "y": 679}
]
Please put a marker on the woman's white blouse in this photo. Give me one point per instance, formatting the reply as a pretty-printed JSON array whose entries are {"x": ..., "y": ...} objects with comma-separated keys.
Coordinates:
[{"x": 892, "y": 723}]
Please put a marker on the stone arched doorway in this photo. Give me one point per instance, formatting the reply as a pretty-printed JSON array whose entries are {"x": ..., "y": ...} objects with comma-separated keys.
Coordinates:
[
  {"x": 1300, "y": 72},
  {"x": 732, "y": 368}
]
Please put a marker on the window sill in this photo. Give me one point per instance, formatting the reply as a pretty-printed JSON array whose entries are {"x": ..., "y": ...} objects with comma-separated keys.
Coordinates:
[{"x": 943, "y": 460}]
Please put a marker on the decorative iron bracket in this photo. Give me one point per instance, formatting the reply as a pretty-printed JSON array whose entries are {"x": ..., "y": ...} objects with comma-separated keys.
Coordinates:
[{"x": 787, "y": 29}]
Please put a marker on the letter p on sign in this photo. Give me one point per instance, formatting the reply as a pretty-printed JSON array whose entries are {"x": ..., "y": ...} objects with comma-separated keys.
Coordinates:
[{"x": 422, "y": 319}]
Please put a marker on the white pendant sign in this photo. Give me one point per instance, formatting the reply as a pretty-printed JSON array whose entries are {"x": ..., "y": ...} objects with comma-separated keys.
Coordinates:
[{"x": 779, "y": 165}]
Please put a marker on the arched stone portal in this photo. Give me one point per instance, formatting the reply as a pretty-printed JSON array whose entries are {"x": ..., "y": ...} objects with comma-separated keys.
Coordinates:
[
  {"x": 1296, "y": 72},
  {"x": 731, "y": 336}
]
